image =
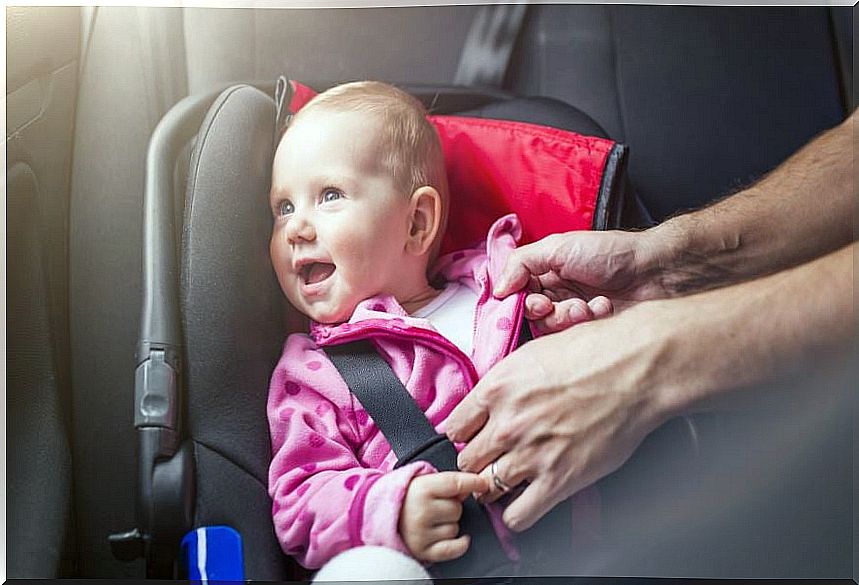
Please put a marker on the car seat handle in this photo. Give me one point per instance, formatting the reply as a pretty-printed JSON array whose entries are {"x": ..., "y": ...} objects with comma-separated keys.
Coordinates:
[{"x": 165, "y": 463}]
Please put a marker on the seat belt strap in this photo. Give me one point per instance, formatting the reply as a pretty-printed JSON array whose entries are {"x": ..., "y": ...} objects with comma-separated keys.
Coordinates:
[
  {"x": 489, "y": 45},
  {"x": 525, "y": 334},
  {"x": 385, "y": 399}
]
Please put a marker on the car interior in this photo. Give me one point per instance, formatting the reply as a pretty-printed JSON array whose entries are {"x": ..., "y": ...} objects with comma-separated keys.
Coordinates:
[{"x": 134, "y": 139}]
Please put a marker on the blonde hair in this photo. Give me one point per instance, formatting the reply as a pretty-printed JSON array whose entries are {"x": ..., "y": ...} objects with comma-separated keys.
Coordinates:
[{"x": 413, "y": 153}]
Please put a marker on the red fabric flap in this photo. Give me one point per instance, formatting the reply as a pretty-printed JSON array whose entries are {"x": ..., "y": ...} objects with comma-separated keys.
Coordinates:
[
  {"x": 549, "y": 177},
  {"x": 301, "y": 94}
]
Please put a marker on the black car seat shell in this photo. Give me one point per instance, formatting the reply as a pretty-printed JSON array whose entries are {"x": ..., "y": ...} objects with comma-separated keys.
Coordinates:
[{"x": 215, "y": 315}]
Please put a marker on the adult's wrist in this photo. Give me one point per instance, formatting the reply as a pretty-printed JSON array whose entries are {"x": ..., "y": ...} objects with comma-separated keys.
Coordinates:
[
  {"x": 674, "y": 381},
  {"x": 648, "y": 364},
  {"x": 698, "y": 251},
  {"x": 658, "y": 252}
]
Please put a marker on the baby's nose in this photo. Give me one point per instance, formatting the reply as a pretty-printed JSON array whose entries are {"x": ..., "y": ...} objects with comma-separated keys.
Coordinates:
[{"x": 300, "y": 227}]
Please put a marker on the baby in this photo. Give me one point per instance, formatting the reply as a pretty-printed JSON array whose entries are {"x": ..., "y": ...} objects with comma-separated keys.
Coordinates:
[{"x": 359, "y": 196}]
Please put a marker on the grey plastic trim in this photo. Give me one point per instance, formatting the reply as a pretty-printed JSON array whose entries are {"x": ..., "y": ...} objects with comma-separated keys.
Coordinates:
[
  {"x": 160, "y": 323},
  {"x": 611, "y": 195},
  {"x": 155, "y": 393}
]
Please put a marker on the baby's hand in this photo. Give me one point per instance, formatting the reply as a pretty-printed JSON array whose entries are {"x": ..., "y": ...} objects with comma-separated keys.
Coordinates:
[
  {"x": 429, "y": 519},
  {"x": 551, "y": 316}
]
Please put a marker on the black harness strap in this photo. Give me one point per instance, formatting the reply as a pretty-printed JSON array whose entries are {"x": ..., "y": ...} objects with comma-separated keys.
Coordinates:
[
  {"x": 412, "y": 438},
  {"x": 386, "y": 400}
]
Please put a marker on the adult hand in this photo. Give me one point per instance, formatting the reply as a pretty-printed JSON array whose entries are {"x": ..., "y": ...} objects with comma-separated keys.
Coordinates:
[
  {"x": 580, "y": 276},
  {"x": 564, "y": 410},
  {"x": 429, "y": 519}
]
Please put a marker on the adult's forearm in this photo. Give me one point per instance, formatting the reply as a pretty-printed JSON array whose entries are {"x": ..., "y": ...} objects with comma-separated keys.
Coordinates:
[
  {"x": 721, "y": 341},
  {"x": 803, "y": 209}
]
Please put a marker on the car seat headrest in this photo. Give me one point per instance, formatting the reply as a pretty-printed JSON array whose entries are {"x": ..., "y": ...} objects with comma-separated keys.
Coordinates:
[{"x": 554, "y": 179}]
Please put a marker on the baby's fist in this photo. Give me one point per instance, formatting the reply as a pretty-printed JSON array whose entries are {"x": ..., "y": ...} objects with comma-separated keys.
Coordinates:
[{"x": 429, "y": 519}]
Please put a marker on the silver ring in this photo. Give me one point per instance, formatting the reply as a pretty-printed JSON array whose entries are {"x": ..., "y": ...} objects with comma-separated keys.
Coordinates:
[{"x": 499, "y": 483}]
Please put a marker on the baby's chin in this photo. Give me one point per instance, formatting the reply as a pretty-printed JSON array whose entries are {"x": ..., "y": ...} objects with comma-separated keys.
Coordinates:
[{"x": 330, "y": 315}]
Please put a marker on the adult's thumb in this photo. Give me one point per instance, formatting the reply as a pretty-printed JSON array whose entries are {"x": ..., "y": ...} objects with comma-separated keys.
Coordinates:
[{"x": 520, "y": 266}]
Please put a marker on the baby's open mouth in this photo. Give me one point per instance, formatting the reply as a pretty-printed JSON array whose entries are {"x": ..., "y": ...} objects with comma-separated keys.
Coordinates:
[{"x": 316, "y": 272}]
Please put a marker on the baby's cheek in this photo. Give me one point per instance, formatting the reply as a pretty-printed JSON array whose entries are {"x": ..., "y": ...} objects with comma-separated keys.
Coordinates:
[{"x": 289, "y": 290}]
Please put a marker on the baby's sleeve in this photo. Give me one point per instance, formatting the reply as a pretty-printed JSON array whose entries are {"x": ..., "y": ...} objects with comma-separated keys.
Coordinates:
[{"x": 324, "y": 500}]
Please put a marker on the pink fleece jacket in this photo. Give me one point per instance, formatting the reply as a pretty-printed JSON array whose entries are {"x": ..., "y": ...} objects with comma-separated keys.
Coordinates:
[{"x": 332, "y": 479}]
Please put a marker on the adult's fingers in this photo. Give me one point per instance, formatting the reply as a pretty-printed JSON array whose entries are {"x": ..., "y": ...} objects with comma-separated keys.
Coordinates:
[
  {"x": 446, "y": 550},
  {"x": 495, "y": 390},
  {"x": 467, "y": 418},
  {"x": 530, "y": 506},
  {"x": 485, "y": 447},
  {"x": 507, "y": 472},
  {"x": 601, "y": 307},
  {"x": 537, "y": 306},
  {"x": 557, "y": 288},
  {"x": 566, "y": 314},
  {"x": 532, "y": 259}
]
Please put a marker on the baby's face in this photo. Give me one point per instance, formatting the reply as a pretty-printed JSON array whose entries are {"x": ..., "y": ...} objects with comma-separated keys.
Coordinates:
[{"x": 341, "y": 225}]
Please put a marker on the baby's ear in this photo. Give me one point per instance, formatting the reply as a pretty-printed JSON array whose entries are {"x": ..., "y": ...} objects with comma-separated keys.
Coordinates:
[{"x": 425, "y": 220}]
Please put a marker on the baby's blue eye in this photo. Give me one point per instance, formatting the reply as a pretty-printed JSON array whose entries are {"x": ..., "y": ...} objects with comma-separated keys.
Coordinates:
[
  {"x": 331, "y": 195},
  {"x": 285, "y": 207}
]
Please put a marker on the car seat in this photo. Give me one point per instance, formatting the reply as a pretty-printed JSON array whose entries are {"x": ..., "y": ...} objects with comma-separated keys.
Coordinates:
[{"x": 214, "y": 319}]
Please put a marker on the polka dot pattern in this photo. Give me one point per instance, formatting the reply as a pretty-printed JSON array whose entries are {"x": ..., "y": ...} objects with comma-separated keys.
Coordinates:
[
  {"x": 313, "y": 366},
  {"x": 316, "y": 441},
  {"x": 504, "y": 324},
  {"x": 293, "y": 388},
  {"x": 350, "y": 482}
]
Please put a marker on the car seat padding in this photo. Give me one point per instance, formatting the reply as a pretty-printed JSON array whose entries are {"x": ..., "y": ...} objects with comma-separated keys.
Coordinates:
[{"x": 232, "y": 315}]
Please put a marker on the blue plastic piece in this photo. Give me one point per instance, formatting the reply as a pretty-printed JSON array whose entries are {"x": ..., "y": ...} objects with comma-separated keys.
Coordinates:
[{"x": 213, "y": 553}]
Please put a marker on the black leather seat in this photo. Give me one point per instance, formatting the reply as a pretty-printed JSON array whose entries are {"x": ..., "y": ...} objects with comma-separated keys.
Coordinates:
[
  {"x": 39, "y": 463},
  {"x": 707, "y": 98}
]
